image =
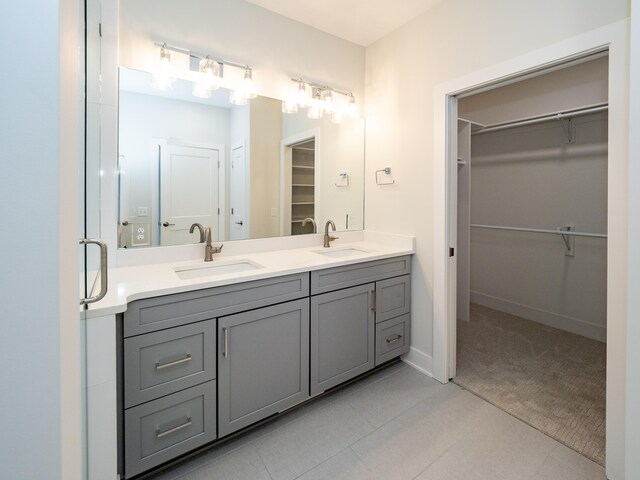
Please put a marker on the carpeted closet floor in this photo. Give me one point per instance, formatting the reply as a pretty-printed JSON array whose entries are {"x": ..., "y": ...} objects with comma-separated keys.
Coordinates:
[{"x": 551, "y": 379}]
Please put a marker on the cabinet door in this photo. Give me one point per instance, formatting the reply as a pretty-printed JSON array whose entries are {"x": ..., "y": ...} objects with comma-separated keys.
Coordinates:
[
  {"x": 342, "y": 336},
  {"x": 263, "y": 363}
]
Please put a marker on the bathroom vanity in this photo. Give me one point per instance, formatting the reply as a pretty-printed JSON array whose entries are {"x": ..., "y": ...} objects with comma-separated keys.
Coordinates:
[
  {"x": 201, "y": 365},
  {"x": 203, "y": 356}
]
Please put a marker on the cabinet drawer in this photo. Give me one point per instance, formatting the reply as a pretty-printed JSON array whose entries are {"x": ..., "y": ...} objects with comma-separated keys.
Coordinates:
[
  {"x": 165, "y": 362},
  {"x": 393, "y": 298},
  {"x": 158, "y": 313},
  {"x": 392, "y": 338},
  {"x": 351, "y": 275},
  {"x": 158, "y": 431}
]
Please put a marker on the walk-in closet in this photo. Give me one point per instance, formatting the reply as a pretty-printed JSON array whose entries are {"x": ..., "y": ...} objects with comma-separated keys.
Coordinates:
[{"x": 532, "y": 250}]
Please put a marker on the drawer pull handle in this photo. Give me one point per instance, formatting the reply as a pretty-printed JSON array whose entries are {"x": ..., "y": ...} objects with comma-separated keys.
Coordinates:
[
  {"x": 394, "y": 339},
  {"x": 186, "y": 424},
  {"x": 225, "y": 347},
  {"x": 160, "y": 366}
]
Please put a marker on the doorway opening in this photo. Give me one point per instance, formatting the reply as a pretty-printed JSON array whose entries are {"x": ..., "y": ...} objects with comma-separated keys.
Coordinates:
[
  {"x": 528, "y": 203},
  {"x": 299, "y": 205}
]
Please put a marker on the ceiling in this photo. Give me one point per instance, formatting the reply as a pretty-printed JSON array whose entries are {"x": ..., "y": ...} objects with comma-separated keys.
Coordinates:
[{"x": 358, "y": 21}]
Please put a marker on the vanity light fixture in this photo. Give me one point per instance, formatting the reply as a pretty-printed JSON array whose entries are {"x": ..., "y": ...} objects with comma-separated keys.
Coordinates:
[
  {"x": 163, "y": 78},
  {"x": 323, "y": 99},
  {"x": 209, "y": 74}
]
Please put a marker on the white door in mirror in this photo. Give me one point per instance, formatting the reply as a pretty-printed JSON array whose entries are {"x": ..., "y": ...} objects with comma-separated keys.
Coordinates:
[{"x": 189, "y": 192}]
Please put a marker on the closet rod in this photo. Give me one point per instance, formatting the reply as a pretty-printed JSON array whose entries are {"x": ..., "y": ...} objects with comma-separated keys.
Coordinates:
[
  {"x": 539, "y": 230},
  {"x": 546, "y": 118}
]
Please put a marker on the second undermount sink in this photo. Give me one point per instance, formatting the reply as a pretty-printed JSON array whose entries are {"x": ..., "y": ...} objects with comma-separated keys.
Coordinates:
[
  {"x": 216, "y": 268},
  {"x": 340, "y": 252}
]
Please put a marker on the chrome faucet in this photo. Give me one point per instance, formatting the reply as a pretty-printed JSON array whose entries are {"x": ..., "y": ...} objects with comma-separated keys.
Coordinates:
[
  {"x": 199, "y": 227},
  {"x": 329, "y": 238},
  {"x": 209, "y": 250},
  {"x": 312, "y": 221}
]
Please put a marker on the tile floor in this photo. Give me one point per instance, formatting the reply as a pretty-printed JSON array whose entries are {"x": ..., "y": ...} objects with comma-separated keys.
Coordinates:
[{"x": 394, "y": 424}]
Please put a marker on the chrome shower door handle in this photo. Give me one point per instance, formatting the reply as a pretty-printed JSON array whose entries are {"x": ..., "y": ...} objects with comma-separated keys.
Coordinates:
[{"x": 103, "y": 270}]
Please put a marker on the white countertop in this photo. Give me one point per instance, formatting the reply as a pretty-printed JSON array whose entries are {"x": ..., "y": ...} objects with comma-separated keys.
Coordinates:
[{"x": 127, "y": 284}]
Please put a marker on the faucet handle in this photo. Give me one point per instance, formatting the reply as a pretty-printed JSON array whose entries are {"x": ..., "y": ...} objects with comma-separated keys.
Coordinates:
[{"x": 218, "y": 249}]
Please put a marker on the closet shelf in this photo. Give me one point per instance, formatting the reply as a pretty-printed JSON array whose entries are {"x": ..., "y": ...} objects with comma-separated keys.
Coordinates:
[
  {"x": 302, "y": 203},
  {"x": 303, "y": 167},
  {"x": 303, "y": 185}
]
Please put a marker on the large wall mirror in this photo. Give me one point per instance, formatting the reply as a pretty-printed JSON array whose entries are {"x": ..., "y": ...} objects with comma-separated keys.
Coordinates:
[{"x": 246, "y": 171}]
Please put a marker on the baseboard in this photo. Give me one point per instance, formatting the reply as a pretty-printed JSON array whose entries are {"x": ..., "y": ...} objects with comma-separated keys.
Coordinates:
[
  {"x": 419, "y": 360},
  {"x": 562, "y": 322}
]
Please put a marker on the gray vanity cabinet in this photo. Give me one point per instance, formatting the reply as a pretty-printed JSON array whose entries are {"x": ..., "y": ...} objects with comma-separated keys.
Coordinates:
[
  {"x": 342, "y": 336},
  {"x": 263, "y": 363}
]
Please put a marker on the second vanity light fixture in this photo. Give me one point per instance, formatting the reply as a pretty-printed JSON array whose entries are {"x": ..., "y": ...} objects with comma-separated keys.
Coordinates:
[
  {"x": 319, "y": 100},
  {"x": 207, "y": 76}
]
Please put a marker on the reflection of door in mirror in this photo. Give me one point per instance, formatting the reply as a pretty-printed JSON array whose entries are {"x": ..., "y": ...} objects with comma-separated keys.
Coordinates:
[
  {"x": 239, "y": 224},
  {"x": 188, "y": 191}
]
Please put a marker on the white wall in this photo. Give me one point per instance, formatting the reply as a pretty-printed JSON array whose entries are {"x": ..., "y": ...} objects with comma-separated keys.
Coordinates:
[
  {"x": 39, "y": 137},
  {"x": 531, "y": 177},
  {"x": 278, "y": 48},
  {"x": 633, "y": 332},
  {"x": 340, "y": 149},
  {"x": 569, "y": 88},
  {"x": 145, "y": 117},
  {"x": 453, "y": 39}
]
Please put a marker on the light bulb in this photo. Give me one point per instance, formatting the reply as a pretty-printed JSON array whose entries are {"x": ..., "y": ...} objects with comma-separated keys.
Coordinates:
[
  {"x": 236, "y": 97},
  {"x": 289, "y": 106},
  {"x": 316, "y": 106},
  {"x": 302, "y": 97},
  {"x": 328, "y": 104},
  {"x": 352, "y": 108},
  {"x": 208, "y": 78},
  {"x": 247, "y": 85},
  {"x": 163, "y": 78}
]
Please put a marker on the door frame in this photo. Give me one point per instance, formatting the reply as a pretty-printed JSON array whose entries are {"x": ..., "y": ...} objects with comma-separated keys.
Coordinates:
[
  {"x": 288, "y": 142},
  {"x": 247, "y": 190},
  {"x": 613, "y": 38}
]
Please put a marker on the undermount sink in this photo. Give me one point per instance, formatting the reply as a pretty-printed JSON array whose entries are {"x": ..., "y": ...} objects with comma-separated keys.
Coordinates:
[
  {"x": 216, "y": 268},
  {"x": 340, "y": 252}
]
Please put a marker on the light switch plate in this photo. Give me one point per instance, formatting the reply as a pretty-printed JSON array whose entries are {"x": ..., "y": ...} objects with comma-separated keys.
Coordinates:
[{"x": 143, "y": 211}]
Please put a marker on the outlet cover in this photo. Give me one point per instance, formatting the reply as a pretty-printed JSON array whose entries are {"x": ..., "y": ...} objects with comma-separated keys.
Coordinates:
[{"x": 140, "y": 234}]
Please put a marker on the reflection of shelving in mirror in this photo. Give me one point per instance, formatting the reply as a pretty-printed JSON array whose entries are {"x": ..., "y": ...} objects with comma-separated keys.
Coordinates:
[{"x": 302, "y": 186}]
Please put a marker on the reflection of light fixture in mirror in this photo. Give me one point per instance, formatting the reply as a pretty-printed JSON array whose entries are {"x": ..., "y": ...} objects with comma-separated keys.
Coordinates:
[
  {"x": 208, "y": 78},
  {"x": 289, "y": 106},
  {"x": 316, "y": 108},
  {"x": 163, "y": 78},
  {"x": 236, "y": 97},
  {"x": 248, "y": 85},
  {"x": 323, "y": 99}
]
